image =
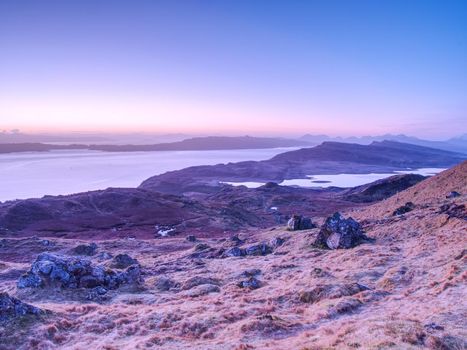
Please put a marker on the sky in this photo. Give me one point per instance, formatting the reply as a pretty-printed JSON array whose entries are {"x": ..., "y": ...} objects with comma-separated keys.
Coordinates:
[{"x": 349, "y": 67}]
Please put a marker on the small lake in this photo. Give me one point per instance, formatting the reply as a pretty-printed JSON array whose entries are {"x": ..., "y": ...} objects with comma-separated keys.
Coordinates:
[{"x": 340, "y": 180}]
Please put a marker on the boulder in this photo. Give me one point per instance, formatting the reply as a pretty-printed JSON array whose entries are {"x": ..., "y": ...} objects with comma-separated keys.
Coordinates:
[
  {"x": 258, "y": 249},
  {"x": 340, "y": 233},
  {"x": 409, "y": 206},
  {"x": 72, "y": 272},
  {"x": 330, "y": 291},
  {"x": 453, "y": 194},
  {"x": 164, "y": 284},
  {"x": 122, "y": 261},
  {"x": 12, "y": 308},
  {"x": 298, "y": 222},
  {"x": 251, "y": 283},
  {"x": 235, "y": 251},
  {"x": 85, "y": 249},
  {"x": 199, "y": 280}
]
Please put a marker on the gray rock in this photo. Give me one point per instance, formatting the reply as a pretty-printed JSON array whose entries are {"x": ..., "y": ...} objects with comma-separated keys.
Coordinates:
[
  {"x": 453, "y": 194},
  {"x": 407, "y": 207},
  {"x": 191, "y": 238},
  {"x": 85, "y": 249},
  {"x": 258, "y": 249},
  {"x": 340, "y": 233},
  {"x": 122, "y": 261},
  {"x": 298, "y": 222},
  {"x": 250, "y": 273},
  {"x": 199, "y": 280},
  {"x": 96, "y": 293},
  {"x": 251, "y": 283},
  {"x": 164, "y": 284},
  {"x": 202, "y": 290},
  {"x": 71, "y": 272},
  {"x": 12, "y": 308},
  {"x": 29, "y": 280},
  {"x": 234, "y": 252}
]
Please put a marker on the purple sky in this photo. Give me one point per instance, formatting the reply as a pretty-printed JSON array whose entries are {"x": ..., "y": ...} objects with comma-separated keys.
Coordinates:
[{"x": 234, "y": 67}]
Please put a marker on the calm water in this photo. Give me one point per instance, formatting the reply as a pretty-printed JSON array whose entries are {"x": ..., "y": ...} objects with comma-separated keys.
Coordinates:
[
  {"x": 341, "y": 180},
  {"x": 27, "y": 175}
]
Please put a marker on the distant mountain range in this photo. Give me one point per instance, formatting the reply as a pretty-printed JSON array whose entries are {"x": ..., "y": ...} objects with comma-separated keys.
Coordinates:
[
  {"x": 457, "y": 144},
  {"x": 21, "y": 142},
  {"x": 193, "y": 144}
]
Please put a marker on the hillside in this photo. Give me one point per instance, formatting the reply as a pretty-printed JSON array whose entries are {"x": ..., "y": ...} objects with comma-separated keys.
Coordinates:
[
  {"x": 262, "y": 289},
  {"x": 327, "y": 158}
]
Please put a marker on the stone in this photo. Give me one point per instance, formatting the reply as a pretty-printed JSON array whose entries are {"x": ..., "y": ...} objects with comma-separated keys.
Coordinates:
[
  {"x": 203, "y": 290},
  {"x": 407, "y": 207},
  {"x": 234, "y": 252},
  {"x": 453, "y": 194},
  {"x": 164, "y": 284},
  {"x": 298, "y": 222},
  {"x": 258, "y": 249},
  {"x": 191, "y": 238},
  {"x": 12, "y": 308},
  {"x": 277, "y": 242},
  {"x": 454, "y": 210},
  {"x": 330, "y": 291},
  {"x": 71, "y": 272},
  {"x": 122, "y": 261},
  {"x": 250, "y": 273},
  {"x": 235, "y": 239},
  {"x": 85, "y": 249},
  {"x": 96, "y": 293},
  {"x": 199, "y": 280},
  {"x": 201, "y": 246},
  {"x": 340, "y": 233},
  {"x": 29, "y": 280},
  {"x": 251, "y": 283}
]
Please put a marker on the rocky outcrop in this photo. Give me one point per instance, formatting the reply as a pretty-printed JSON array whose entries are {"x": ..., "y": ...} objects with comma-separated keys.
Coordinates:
[
  {"x": 407, "y": 207},
  {"x": 253, "y": 250},
  {"x": 338, "y": 232},
  {"x": 12, "y": 308},
  {"x": 330, "y": 291},
  {"x": 382, "y": 189},
  {"x": 85, "y": 249},
  {"x": 298, "y": 222},
  {"x": 70, "y": 272}
]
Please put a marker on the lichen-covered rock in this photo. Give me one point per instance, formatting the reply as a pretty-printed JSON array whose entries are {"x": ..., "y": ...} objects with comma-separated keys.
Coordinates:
[
  {"x": 298, "y": 222},
  {"x": 338, "y": 232},
  {"x": 12, "y": 308},
  {"x": 72, "y": 272}
]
